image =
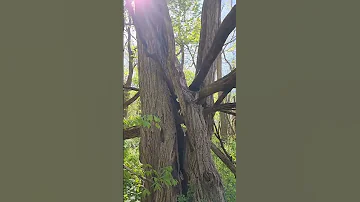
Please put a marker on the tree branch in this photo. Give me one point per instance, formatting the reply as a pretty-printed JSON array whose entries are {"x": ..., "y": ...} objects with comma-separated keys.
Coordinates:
[
  {"x": 132, "y": 132},
  {"x": 222, "y": 96},
  {"x": 228, "y": 112},
  {"x": 131, "y": 100},
  {"x": 131, "y": 88},
  {"x": 214, "y": 108},
  {"x": 192, "y": 56},
  {"x": 223, "y": 84},
  {"x": 232, "y": 128},
  {"x": 223, "y": 158},
  {"x": 226, "y": 27}
]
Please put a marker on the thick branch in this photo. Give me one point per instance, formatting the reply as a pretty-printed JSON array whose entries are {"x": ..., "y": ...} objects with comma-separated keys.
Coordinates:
[
  {"x": 223, "y": 158},
  {"x": 226, "y": 27},
  {"x": 132, "y": 132},
  {"x": 131, "y": 100},
  {"x": 226, "y": 106},
  {"x": 223, "y": 84}
]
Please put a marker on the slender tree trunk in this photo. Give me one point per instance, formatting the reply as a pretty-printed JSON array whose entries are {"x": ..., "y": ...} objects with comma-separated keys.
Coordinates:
[
  {"x": 131, "y": 66},
  {"x": 223, "y": 121}
]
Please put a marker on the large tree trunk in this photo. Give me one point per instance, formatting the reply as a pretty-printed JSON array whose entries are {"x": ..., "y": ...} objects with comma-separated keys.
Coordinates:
[
  {"x": 157, "y": 146},
  {"x": 159, "y": 79}
]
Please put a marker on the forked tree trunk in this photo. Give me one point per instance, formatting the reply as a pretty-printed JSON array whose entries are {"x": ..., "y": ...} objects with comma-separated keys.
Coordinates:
[{"x": 159, "y": 79}]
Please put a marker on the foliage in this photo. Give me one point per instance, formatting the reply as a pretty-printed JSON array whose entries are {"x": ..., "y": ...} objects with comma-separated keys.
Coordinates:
[
  {"x": 227, "y": 177},
  {"x": 143, "y": 121},
  {"x": 134, "y": 189},
  {"x": 133, "y": 186}
]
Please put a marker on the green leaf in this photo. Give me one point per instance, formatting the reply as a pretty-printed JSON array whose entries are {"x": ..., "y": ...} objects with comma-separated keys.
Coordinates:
[
  {"x": 157, "y": 119},
  {"x": 150, "y": 118}
]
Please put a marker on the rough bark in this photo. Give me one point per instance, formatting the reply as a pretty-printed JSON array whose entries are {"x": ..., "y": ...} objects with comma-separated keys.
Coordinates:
[{"x": 159, "y": 147}]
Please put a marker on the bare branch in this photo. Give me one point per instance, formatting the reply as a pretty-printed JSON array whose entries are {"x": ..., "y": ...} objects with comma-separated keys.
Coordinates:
[
  {"x": 226, "y": 27},
  {"x": 131, "y": 100},
  {"x": 227, "y": 61},
  {"x": 192, "y": 55}
]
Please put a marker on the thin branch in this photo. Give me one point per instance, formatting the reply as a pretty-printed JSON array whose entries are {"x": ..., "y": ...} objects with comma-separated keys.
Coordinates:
[
  {"x": 131, "y": 100},
  {"x": 192, "y": 56},
  {"x": 226, "y": 27},
  {"x": 217, "y": 135},
  {"x": 226, "y": 60},
  {"x": 232, "y": 39}
]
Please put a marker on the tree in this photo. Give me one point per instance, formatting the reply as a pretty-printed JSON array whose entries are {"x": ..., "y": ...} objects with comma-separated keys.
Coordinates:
[{"x": 165, "y": 94}]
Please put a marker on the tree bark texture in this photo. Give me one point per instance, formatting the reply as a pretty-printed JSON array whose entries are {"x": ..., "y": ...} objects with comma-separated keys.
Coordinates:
[{"x": 159, "y": 77}]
